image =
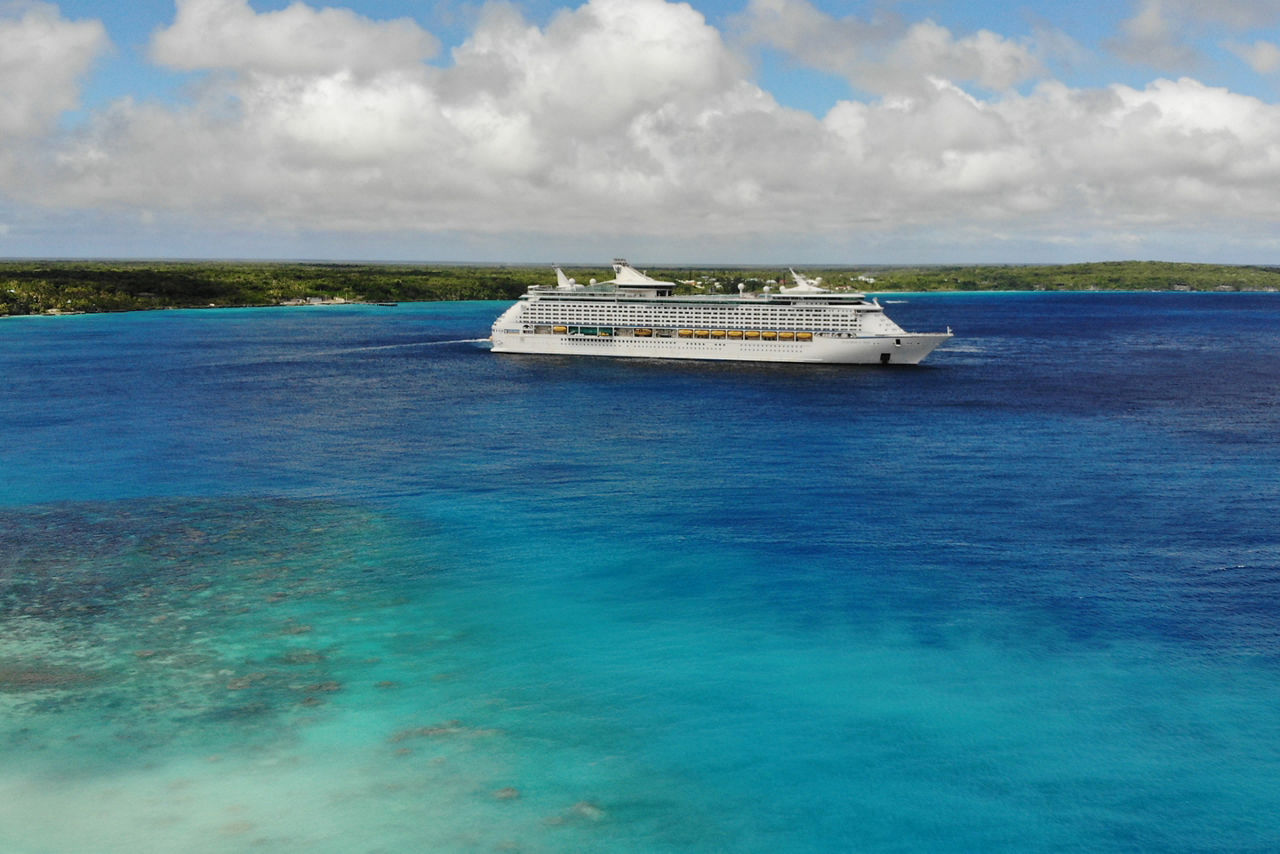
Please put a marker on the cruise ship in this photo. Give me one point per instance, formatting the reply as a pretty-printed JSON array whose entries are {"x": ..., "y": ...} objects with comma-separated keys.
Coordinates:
[{"x": 634, "y": 315}]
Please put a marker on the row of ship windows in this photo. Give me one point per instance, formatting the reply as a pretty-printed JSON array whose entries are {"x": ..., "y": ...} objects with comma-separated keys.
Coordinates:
[
  {"x": 724, "y": 314},
  {"x": 644, "y": 332},
  {"x": 767, "y": 346},
  {"x": 722, "y": 322},
  {"x": 587, "y": 323},
  {"x": 701, "y": 320}
]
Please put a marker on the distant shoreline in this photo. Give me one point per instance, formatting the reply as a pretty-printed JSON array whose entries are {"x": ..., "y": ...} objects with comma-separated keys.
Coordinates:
[{"x": 35, "y": 287}]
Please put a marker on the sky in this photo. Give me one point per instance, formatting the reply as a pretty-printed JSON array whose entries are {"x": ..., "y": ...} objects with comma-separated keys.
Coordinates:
[{"x": 706, "y": 132}]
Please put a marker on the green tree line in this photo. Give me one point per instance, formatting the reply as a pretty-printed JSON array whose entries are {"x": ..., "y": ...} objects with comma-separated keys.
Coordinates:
[{"x": 34, "y": 287}]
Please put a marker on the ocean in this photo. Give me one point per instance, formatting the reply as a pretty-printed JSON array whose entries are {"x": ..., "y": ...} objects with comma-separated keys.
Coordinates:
[{"x": 337, "y": 579}]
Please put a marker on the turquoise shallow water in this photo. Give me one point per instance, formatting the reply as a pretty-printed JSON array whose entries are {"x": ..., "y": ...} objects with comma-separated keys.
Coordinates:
[{"x": 338, "y": 579}]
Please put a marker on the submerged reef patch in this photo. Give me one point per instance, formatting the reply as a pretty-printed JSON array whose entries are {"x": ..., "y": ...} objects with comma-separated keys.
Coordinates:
[{"x": 128, "y": 626}]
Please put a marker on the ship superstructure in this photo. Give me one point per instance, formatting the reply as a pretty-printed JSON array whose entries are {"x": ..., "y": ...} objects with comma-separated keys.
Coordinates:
[{"x": 635, "y": 315}]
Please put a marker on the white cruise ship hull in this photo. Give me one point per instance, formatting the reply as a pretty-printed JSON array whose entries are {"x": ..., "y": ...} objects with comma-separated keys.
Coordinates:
[
  {"x": 634, "y": 316},
  {"x": 904, "y": 349}
]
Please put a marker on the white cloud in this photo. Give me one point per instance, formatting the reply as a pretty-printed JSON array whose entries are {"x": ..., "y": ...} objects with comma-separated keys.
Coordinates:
[
  {"x": 1162, "y": 33},
  {"x": 1156, "y": 38},
  {"x": 616, "y": 98},
  {"x": 229, "y": 35},
  {"x": 983, "y": 58},
  {"x": 1064, "y": 160},
  {"x": 43, "y": 57},
  {"x": 883, "y": 54},
  {"x": 633, "y": 117},
  {"x": 1262, "y": 56}
]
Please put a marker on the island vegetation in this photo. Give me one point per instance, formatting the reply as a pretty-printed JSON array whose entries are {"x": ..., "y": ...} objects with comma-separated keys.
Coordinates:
[{"x": 43, "y": 287}]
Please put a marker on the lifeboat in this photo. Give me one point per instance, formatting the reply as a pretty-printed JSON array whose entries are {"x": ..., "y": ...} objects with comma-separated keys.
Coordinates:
[
  {"x": 701, "y": 333},
  {"x": 768, "y": 336},
  {"x": 786, "y": 336},
  {"x": 559, "y": 330},
  {"x": 643, "y": 333},
  {"x": 804, "y": 336},
  {"x": 717, "y": 333},
  {"x": 751, "y": 333},
  {"x": 735, "y": 333},
  {"x": 685, "y": 333}
]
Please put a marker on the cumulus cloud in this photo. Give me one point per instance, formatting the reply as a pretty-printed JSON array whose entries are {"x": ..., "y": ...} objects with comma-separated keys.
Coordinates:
[
  {"x": 229, "y": 35},
  {"x": 885, "y": 54},
  {"x": 1175, "y": 151},
  {"x": 635, "y": 117},
  {"x": 43, "y": 57},
  {"x": 615, "y": 98}
]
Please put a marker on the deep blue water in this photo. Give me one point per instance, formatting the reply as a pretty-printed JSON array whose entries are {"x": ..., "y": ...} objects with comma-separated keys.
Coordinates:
[{"x": 338, "y": 579}]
